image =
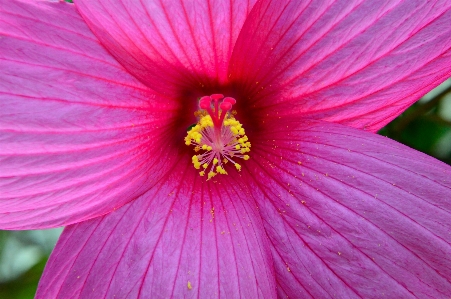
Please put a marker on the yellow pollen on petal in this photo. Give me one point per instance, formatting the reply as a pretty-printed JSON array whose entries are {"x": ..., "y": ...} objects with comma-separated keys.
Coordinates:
[{"x": 218, "y": 137}]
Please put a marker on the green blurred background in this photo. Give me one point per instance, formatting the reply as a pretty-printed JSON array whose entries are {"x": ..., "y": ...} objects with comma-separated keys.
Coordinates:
[{"x": 426, "y": 126}]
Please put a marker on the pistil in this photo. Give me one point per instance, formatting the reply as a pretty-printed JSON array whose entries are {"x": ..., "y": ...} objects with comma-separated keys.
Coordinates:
[{"x": 218, "y": 137}]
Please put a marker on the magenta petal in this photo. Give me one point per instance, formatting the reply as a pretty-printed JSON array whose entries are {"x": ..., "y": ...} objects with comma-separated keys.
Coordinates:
[
  {"x": 183, "y": 239},
  {"x": 359, "y": 63},
  {"x": 351, "y": 214},
  {"x": 75, "y": 129},
  {"x": 169, "y": 43}
]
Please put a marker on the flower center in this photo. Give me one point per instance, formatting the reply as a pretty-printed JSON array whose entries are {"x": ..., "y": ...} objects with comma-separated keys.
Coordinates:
[{"x": 218, "y": 134}]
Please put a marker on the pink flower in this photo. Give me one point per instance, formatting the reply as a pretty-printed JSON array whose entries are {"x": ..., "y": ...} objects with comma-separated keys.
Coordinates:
[{"x": 96, "y": 99}]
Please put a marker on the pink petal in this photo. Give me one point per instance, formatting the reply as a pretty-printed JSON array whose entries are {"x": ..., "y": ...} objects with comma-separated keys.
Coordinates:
[
  {"x": 76, "y": 131},
  {"x": 186, "y": 44},
  {"x": 359, "y": 63},
  {"x": 185, "y": 238},
  {"x": 352, "y": 214}
]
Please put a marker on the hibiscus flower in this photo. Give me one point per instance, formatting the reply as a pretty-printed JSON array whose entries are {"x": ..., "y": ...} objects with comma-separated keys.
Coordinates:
[{"x": 97, "y": 98}]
